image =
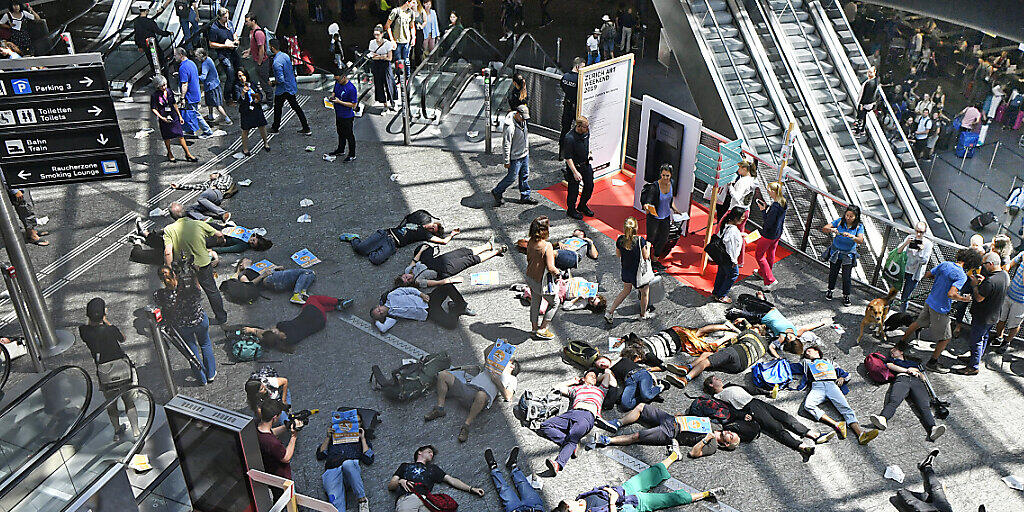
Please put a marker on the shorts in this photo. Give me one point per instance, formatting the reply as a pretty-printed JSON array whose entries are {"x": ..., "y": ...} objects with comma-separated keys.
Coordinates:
[
  {"x": 461, "y": 391},
  {"x": 566, "y": 259},
  {"x": 1012, "y": 312},
  {"x": 214, "y": 97},
  {"x": 662, "y": 427},
  {"x": 936, "y": 324},
  {"x": 727, "y": 360}
]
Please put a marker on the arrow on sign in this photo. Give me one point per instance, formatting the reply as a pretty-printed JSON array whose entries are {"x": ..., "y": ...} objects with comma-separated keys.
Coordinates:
[
  {"x": 24, "y": 175},
  {"x": 86, "y": 81},
  {"x": 102, "y": 139},
  {"x": 95, "y": 110}
]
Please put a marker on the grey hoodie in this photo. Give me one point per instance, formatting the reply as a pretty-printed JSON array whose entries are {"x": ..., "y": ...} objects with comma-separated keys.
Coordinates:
[{"x": 514, "y": 139}]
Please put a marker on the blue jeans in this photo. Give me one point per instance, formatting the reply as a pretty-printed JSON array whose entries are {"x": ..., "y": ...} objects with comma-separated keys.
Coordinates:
[
  {"x": 909, "y": 284},
  {"x": 197, "y": 339},
  {"x": 567, "y": 430},
  {"x": 517, "y": 167},
  {"x": 402, "y": 53},
  {"x": 977, "y": 338},
  {"x": 566, "y": 259},
  {"x": 335, "y": 480},
  {"x": 230, "y": 63},
  {"x": 724, "y": 280},
  {"x": 296, "y": 279},
  {"x": 207, "y": 205},
  {"x": 520, "y": 498},
  {"x": 639, "y": 383},
  {"x": 593, "y": 57},
  {"x": 607, "y": 48},
  {"x": 194, "y": 121},
  {"x": 378, "y": 247},
  {"x": 828, "y": 390}
]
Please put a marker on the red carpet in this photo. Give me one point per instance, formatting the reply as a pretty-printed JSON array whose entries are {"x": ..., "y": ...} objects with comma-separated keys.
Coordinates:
[{"x": 614, "y": 203}]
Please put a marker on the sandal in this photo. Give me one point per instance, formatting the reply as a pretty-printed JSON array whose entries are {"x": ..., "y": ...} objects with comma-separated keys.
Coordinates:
[
  {"x": 41, "y": 243},
  {"x": 171, "y": 159}
]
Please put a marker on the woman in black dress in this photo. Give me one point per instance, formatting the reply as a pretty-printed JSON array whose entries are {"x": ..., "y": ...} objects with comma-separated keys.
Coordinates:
[
  {"x": 166, "y": 110},
  {"x": 250, "y": 110}
]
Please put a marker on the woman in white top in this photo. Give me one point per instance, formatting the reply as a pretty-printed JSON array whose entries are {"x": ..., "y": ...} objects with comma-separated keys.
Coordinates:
[
  {"x": 919, "y": 251},
  {"x": 739, "y": 192},
  {"x": 383, "y": 78},
  {"x": 14, "y": 20},
  {"x": 727, "y": 274}
]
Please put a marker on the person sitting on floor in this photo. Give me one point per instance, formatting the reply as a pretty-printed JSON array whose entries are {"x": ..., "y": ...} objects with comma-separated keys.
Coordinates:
[
  {"x": 418, "y": 226},
  {"x": 476, "y": 387},
  {"x": 214, "y": 192},
  {"x": 569, "y": 428},
  {"x": 634, "y": 495},
  {"x": 277, "y": 278},
  {"x": 756, "y": 309},
  {"x": 825, "y": 384},
  {"x": 428, "y": 257},
  {"x": 312, "y": 318},
  {"x": 664, "y": 429},
  {"x": 411, "y": 304},
  {"x": 572, "y": 294},
  {"x": 909, "y": 382},
  {"x": 341, "y": 468}
]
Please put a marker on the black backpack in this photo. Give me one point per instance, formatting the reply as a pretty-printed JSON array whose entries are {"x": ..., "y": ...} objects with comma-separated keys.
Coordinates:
[
  {"x": 411, "y": 380},
  {"x": 717, "y": 252},
  {"x": 240, "y": 292}
]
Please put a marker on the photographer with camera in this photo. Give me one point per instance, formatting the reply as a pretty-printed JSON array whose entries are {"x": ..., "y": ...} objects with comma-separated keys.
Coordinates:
[
  {"x": 919, "y": 251},
  {"x": 276, "y": 456}
]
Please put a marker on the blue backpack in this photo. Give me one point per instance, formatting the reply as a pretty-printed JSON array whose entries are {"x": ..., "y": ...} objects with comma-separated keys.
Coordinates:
[{"x": 769, "y": 373}]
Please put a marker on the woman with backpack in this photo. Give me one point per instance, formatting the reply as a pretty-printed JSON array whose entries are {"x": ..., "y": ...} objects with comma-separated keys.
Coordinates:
[
  {"x": 182, "y": 307},
  {"x": 847, "y": 232},
  {"x": 727, "y": 274},
  {"x": 114, "y": 370},
  {"x": 631, "y": 249},
  {"x": 907, "y": 382}
]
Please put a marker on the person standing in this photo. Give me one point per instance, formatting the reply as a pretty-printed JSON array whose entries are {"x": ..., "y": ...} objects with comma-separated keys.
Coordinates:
[
  {"x": 478, "y": 14},
  {"x": 868, "y": 95},
  {"x": 771, "y": 233},
  {"x": 345, "y": 100},
  {"x": 626, "y": 23},
  {"x": 733, "y": 239},
  {"x": 182, "y": 310},
  {"x": 188, "y": 19},
  {"x": 988, "y": 291},
  {"x": 285, "y": 88},
  {"x": 114, "y": 371},
  {"x": 144, "y": 28},
  {"x": 570, "y": 89},
  {"x": 185, "y": 240},
  {"x": 192, "y": 93},
  {"x": 607, "y": 38},
  {"x": 401, "y": 30},
  {"x": 431, "y": 29},
  {"x": 630, "y": 248},
  {"x": 971, "y": 120},
  {"x": 250, "y": 110},
  {"x": 515, "y": 143},
  {"x": 212, "y": 91},
  {"x": 657, "y": 199},
  {"x": 165, "y": 108},
  {"x": 381, "y": 55},
  {"x": 16, "y": 20},
  {"x": 258, "y": 51},
  {"x": 924, "y": 127},
  {"x": 594, "y": 47},
  {"x": 846, "y": 232},
  {"x": 579, "y": 172},
  {"x": 224, "y": 42},
  {"x": 1011, "y": 315},
  {"x": 919, "y": 251},
  {"x": 541, "y": 273}
]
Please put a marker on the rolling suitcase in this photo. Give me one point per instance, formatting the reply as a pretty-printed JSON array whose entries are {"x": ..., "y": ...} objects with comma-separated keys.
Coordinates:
[
  {"x": 983, "y": 219},
  {"x": 966, "y": 144}
]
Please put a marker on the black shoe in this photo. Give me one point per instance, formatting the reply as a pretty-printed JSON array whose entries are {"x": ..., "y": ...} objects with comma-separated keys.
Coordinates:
[
  {"x": 350, "y": 158},
  {"x": 219, "y": 320},
  {"x": 489, "y": 457},
  {"x": 1000, "y": 348},
  {"x": 528, "y": 200},
  {"x": 928, "y": 460},
  {"x": 828, "y": 295},
  {"x": 498, "y": 201},
  {"x": 274, "y": 129},
  {"x": 306, "y": 131},
  {"x": 846, "y": 301},
  {"x": 933, "y": 366},
  {"x": 138, "y": 226},
  {"x": 574, "y": 214},
  {"x": 336, "y": 152},
  {"x": 587, "y": 212},
  {"x": 657, "y": 265},
  {"x": 513, "y": 458}
]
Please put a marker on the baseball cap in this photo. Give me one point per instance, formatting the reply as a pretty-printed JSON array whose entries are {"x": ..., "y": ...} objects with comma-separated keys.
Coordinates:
[{"x": 523, "y": 111}]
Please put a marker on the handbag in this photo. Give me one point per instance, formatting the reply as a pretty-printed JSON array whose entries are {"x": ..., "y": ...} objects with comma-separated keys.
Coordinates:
[
  {"x": 112, "y": 374},
  {"x": 644, "y": 271},
  {"x": 439, "y": 502},
  {"x": 549, "y": 286}
]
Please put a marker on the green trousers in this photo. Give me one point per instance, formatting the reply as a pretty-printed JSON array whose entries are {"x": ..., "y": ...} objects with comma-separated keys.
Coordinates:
[{"x": 650, "y": 501}]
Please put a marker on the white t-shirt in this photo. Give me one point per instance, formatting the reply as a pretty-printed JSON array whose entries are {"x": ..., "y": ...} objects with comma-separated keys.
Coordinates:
[
  {"x": 383, "y": 48},
  {"x": 483, "y": 381},
  {"x": 593, "y": 43},
  {"x": 15, "y": 23},
  {"x": 736, "y": 396}
]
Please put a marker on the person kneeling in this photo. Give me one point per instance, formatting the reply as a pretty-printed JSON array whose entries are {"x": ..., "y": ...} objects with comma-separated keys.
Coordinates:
[{"x": 476, "y": 388}]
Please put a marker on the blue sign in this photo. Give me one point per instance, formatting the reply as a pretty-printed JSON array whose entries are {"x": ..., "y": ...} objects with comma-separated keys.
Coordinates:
[
  {"x": 109, "y": 166},
  {"x": 21, "y": 86}
]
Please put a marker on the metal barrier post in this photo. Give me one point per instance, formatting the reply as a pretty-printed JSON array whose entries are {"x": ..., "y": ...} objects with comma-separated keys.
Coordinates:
[
  {"x": 66, "y": 37},
  {"x": 155, "y": 318},
  {"x": 27, "y": 326},
  {"x": 807, "y": 225},
  {"x": 881, "y": 256},
  {"x": 993, "y": 160},
  {"x": 487, "y": 108},
  {"x": 558, "y": 50},
  {"x": 404, "y": 84}
]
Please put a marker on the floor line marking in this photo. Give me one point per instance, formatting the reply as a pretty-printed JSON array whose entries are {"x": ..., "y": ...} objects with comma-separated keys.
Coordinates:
[{"x": 390, "y": 339}]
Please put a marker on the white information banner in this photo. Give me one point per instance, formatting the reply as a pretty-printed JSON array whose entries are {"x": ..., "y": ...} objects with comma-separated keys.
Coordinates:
[{"x": 604, "y": 92}]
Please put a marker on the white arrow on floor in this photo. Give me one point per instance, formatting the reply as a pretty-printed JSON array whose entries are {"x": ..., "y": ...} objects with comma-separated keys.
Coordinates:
[
  {"x": 102, "y": 139},
  {"x": 95, "y": 110},
  {"x": 24, "y": 175},
  {"x": 86, "y": 81}
]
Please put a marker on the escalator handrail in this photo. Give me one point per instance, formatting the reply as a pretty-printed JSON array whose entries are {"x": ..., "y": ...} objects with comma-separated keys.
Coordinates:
[
  {"x": 441, "y": 59},
  {"x": 6, "y": 356},
  {"x": 55, "y": 33},
  {"x": 130, "y": 27},
  {"x": 49, "y": 376},
  {"x": 101, "y": 410}
]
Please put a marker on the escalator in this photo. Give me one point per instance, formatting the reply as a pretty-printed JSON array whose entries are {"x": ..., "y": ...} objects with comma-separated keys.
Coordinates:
[{"x": 103, "y": 18}]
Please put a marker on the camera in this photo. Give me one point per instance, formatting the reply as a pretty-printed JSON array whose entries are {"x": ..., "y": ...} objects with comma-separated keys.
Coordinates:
[
  {"x": 302, "y": 415},
  {"x": 915, "y": 244}
]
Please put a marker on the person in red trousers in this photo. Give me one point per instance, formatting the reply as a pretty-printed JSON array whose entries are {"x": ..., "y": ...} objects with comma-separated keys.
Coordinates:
[{"x": 774, "y": 217}]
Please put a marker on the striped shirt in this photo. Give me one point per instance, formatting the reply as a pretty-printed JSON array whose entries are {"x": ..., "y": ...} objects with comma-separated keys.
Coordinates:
[
  {"x": 587, "y": 394},
  {"x": 1016, "y": 290},
  {"x": 222, "y": 183}
]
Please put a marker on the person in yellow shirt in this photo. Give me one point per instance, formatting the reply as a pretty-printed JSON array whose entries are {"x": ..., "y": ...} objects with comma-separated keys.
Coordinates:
[{"x": 185, "y": 240}]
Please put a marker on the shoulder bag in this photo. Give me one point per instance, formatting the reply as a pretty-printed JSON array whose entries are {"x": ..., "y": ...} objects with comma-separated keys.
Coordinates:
[
  {"x": 644, "y": 270},
  {"x": 115, "y": 373}
]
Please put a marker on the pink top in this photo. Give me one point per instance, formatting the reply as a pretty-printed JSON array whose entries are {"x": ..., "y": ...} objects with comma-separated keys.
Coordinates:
[
  {"x": 587, "y": 394},
  {"x": 971, "y": 118},
  {"x": 258, "y": 45}
]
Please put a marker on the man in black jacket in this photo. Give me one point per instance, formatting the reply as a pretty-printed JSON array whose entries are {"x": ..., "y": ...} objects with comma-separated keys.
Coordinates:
[
  {"x": 576, "y": 150},
  {"x": 146, "y": 28}
]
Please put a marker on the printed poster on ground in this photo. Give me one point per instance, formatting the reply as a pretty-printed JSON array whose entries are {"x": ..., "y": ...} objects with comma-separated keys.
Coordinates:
[{"x": 603, "y": 98}]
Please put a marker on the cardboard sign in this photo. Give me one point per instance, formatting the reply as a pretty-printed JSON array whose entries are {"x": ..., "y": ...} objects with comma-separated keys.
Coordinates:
[
  {"x": 260, "y": 266},
  {"x": 345, "y": 426},
  {"x": 698, "y": 424},
  {"x": 243, "y": 234},
  {"x": 500, "y": 356},
  {"x": 305, "y": 258},
  {"x": 572, "y": 244},
  {"x": 485, "y": 278},
  {"x": 582, "y": 288}
]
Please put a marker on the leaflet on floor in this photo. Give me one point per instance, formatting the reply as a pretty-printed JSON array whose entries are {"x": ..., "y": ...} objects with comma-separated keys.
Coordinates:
[
  {"x": 485, "y": 278},
  {"x": 305, "y": 258}
]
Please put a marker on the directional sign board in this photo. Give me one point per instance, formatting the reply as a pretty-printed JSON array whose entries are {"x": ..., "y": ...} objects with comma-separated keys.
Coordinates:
[{"x": 57, "y": 122}]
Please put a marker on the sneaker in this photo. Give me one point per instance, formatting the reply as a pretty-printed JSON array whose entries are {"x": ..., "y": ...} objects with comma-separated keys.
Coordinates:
[
  {"x": 828, "y": 295},
  {"x": 966, "y": 370},
  {"x": 348, "y": 237},
  {"x": 297, "y": 298},
  {"x": 806, "y": 452},
  {"x": 847, "y": 301},
  {"x": 274, "y": 129},
  {"x": 498, "y": 200},
  {"x": 306, "y": 131},
  {"x": 716, "y": 493},
  {"x": 345, "y": 304},
  {"x": 936, "y": 432},
  {"x": 1000, "y": 348},
  {"x": 227, "y": 122},
  {"x": 349, "y": 158},
  {"x": 675, "y": 381},
  {"x": 676, "y": 369},
  {"x": 771, "y": 286},
  {"x": 650, "y": 314},
  {"x": 824, "y": 438},
  {"x": 468, "y": 312},
  {"x": 879, "y": 421},
  {"x": 435, "y": 413},
  {"x": 138, "y": 227},
  {"x": 463, "y": 433},
  {"x": 364, "y": 506},
  {"x": 502, "y": 249},
  {"x": 933, "y": 366},
  {"x": 206, "y": 135},
  {"x": 775, "y": 392},
  {"x": 489, "y": 457},
  {"x": 866, "y": 436},
  {"x": 609, "y": 319},
  {"x": 528, "y": 200},
  {"x": 602, "y": 441},
  {"x": 513, "y": 458},
  {"x": 609, "y": 425},
  {"x": 574, "y": 214},
  {"x": 841, "y": 430},
  {"x": 552, "y": 465},
  {"x": 674, "y": 447},
  {"x": 544, "y": 334}
]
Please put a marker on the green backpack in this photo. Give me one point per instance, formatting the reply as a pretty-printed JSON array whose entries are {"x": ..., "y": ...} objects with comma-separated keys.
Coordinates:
[{"x": 244, "y": 347}]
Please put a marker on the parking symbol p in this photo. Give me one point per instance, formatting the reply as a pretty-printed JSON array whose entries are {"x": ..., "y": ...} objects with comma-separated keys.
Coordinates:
[{"x": 21, "y": 86}]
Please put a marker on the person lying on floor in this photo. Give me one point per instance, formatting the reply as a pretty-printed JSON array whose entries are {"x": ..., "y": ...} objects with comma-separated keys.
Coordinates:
[
  {"x": 572, "y": 295},
  {"x": 756, "y": 309},
  {"x": 312, "y": 318},
  {"x": 411, "y": 304},
  {"x": 634, "y": 495},
  {"x": 780, "y": 425},
  {"x": 476, "y": 387},
  {"x": 429, "y": 258},
  {"x": 735, "y": 355},
  {"x": 568, "y": 429},
  {"x": 674, "y": 340},
  {"x": 383, "y": 243},
  {"x": 697, "y": 433},
  {"x": 230, "y": 244},
  {"x": 827, "y": 381},
  {"x": 148, "y": 245},
  {"x": 218, "y": 188},
  {"x": 908, "y": 383},
  {"x": 638, "y": 385},
  {"x": 277, "y": 278}
]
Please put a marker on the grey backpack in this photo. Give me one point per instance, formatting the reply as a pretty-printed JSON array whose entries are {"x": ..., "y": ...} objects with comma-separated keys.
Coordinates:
[{"x": 533, "y": 408}]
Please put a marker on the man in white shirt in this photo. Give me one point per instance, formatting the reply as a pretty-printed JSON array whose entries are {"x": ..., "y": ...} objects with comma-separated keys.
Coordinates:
[
  {"x": 594, "y": 47},
  {"x": 924, "y": 127},
  {"x": 411, "y": 304}
]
